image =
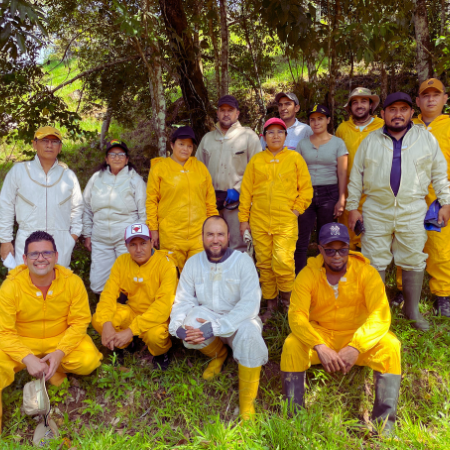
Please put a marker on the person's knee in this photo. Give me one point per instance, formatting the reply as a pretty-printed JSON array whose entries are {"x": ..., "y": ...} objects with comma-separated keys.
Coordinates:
[
  {"x": 295, "y": 357},
  {"x": 83, "y": 362},
  {"x": 157, "y": 336},
  {"x": 198, "y": 312}
]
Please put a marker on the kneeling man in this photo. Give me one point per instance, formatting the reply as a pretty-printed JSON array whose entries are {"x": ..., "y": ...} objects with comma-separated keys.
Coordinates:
[
  {"x": 148, "y": 278},
  {"x": 339, "y": 317},
  {"x": 217, "y": 303},
  {"x": 44, "y": 317}
]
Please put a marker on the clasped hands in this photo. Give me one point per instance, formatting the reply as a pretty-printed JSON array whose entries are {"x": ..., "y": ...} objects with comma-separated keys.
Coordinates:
[
  {"x": 37, "y": 367},
  {"x": 193, "y": 335},
  {"x": 112, "y": 338},
  {"x": 333, "y": 361}
]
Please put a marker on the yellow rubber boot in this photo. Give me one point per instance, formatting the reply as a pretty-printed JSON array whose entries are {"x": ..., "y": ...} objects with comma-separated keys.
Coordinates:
[
  {"x": 218, "y": 352},
  {"x": 248, "y": 389},
  {"x": 57, "y": 379}
]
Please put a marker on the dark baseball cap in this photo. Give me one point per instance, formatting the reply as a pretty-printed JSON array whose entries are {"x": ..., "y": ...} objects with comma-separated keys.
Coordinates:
[
  {"x": 397, "y": 97},
  {"x": 228, "y": 100},
  {"x": 116, "y": 143},
  {"x": 319, "y": 109},
  {"x": 184, "y": 133},
  {"x": 289, "y": 95},
  {"x": 334, "y": 232}
]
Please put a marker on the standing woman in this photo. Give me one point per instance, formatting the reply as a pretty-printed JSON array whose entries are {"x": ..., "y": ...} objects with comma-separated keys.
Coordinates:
[
  {"x": 180, "y": 196},
  {"x": 113, "y": 199},
  {"x": 326, "y": 157}
]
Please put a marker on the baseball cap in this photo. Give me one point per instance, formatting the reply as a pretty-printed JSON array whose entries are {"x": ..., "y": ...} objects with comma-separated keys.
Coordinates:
[
  {"x": 228, "y": 100},
  {"x": 183, "y": 133},
  {"x": 397, "y": 97},
  {"x": 362, "y": 92},
  {"x": 43, "y": 132},
  {"x": 116, "y": 143},
  {"x": 289, "y": 95},
  {"x": 319, "y": 109},
  {"x": 137, "y": 230},
  {"x": 334, "y": 232},
  {"x": 274, "y": 121},
  {"x": 432, "y": 83}
]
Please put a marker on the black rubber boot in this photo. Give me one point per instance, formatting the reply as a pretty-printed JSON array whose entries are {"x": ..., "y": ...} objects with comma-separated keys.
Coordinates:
[
  {"x": 398, "y": 300},
  {"x": 161, "y": 362},
  {"x": 294, "y": 388},
  {"x": 382, "y": 275},
  {"x": 412, "y": 288},
  {"x": 387, "y": 389},
  {"x": 442, "y": 306},
  {"x": 285, "y": 300}
]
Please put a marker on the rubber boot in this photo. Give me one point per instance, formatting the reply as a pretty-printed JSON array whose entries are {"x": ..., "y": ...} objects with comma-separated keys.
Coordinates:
[
  {"x": 248, "y": 389},
  {"x": 398, "y": 300},
  {"x": 382, "y": 275},
  {"x": 412, "y": 289},
  {"x": 218, "y": 353},
  {"x": 271, "y": 307},
  {"x": 57, "y": 379},
  {"x": 387, "y": 389},
  {"x": 285, "y": 299},
  {"x": 293, "y": 384},
  {"x": 442, "y": 306}
]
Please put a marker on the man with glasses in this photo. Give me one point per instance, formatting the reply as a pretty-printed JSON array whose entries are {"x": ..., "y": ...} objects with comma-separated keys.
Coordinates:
[
  {"x": 340, "y": 317},
  {"x": 41, "y": 194},
  {"x": 288, "y": 107},
  {"x": 44, "y": 318}
]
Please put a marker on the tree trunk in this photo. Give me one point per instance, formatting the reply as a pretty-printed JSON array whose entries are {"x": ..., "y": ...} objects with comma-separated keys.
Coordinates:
[
  {"x": 198, "y": 48},
  {"x": 443, "y": 16},
  {"x": 225, "y": 48},
  {"x": 212, "y": 6},
  {"x": 333, "y": 60},
  {"x": 384, "y": 82},
  {"x": 424, "y": 63},
  {"x": 192, "y": 86},
  {"x": 105, "y": 125}
]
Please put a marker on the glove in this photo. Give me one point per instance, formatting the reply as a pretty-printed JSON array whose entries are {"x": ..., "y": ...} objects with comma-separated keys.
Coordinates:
[
  {"x": 207, "y": 330},
  {"x": 181, "y": 333},
  {"x": 232, "y": 196}
]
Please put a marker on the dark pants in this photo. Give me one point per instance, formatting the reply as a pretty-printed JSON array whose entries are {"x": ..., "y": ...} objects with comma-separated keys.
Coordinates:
[{"x": 321, "y": 208}]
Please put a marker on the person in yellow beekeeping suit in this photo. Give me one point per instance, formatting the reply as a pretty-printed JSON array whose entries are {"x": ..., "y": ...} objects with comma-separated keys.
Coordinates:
[
  {"x": 44, "y": 318},
  {"x": 431, "y": 101},
  {"x": 361, "y": 106},
  {"x": 148, "y": 278},
  {"x": 275, "y": 190},
  {"x": 180, "y": 196},
  {"x": 339, "y": 317}
]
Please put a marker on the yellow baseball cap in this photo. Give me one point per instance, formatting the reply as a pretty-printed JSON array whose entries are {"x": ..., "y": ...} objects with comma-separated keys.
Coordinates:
[
  {"x": 43, "y": 132},
  {"x": 432, "y": 83}
]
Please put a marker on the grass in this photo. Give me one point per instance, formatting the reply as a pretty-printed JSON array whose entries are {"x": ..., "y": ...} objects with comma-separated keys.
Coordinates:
[{"x": 138, "y": 407}]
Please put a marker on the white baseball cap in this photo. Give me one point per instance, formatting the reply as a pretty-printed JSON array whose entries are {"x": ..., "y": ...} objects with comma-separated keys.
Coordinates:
[{"x": 137, "y": 230}]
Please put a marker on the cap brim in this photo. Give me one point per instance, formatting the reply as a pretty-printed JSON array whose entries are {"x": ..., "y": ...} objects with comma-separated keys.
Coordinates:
[
  {"x": 143, "y": 236},
  {"x": 442, "y": 91},
  {"x": 44, "y": 135},
  {"x": 185, "y": 136},
  {"x": 334, "y": 239}
]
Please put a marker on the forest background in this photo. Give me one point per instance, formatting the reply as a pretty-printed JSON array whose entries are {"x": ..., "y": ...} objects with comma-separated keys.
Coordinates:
[{"x": 136, "y": 70}]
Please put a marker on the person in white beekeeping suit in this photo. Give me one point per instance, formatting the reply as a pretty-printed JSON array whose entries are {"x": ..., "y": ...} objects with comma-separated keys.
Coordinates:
[
  {"x": 113, "y": 199},
  {"x": 217, "y": 303},
  {"x": 41, "y": 195}
]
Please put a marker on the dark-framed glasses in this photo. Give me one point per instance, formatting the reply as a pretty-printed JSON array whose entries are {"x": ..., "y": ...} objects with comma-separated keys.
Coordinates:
[
  {"x": 54, "y": 142},
  {"x": 47, "y": 254},
  {"x": 332, "y": 251}
]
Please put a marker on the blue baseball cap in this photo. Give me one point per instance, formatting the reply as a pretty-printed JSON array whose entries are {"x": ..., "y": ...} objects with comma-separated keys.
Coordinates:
[
  {"x": 334, "y": 232},
  {"x": 184, "y": 133},
  {"x": 397, "y": 97}
]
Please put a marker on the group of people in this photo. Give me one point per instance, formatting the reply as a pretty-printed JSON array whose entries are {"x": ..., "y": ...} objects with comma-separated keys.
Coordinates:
[{"x": 170, "y": 258}]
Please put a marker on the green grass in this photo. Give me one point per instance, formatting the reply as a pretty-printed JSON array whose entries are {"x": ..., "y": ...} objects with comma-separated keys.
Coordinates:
[{"x": 143, "y": 408}]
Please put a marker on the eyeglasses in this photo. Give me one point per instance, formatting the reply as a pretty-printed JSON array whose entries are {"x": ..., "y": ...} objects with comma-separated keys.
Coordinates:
[
  {"x": 54, "y": 142},
  {"x": 332, "y": 252},
  {"x": 35, "y": 255},
  {"x": 273, "y": 133},
  {"x": 116, "y": 155}
]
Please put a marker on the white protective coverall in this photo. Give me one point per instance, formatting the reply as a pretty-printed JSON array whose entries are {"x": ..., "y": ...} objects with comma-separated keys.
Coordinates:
[
  {"x": 49, "y": 202},
  {"x": 227, "y": 294},
  {"x": 390, "y": 220},
  {"x": 111, "y": 203},
  {"x": 226, "y": 156}
]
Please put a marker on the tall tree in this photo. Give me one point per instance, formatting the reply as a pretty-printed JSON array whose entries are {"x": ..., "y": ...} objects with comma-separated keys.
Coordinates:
[
  {"x": 424, "y": 63},
  {"x": 225, "y": 48}
]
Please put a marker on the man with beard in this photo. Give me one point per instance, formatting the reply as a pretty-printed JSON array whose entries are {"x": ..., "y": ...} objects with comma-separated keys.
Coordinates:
[
  {"x": 226, "y": 152},
  {"x": 44, "y": 318},
  {"x": 288, "y": 107},
  {"x": 148, "y": 278},
  {"x": 339, "y": 317},
  {"x": 361, "y": 105},
  {"x": 217, "y": 303},
  {"x": 393, "y": 168}
]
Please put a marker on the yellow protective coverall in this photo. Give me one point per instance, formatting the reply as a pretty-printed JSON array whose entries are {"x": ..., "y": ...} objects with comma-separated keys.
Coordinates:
[
  {"x": 272, "y": 187},
  {"x": 179, "y": 199},
  {"x": 31, "y": 325},
  {"x": 150, "y": 289},
  {"x": 352, "y": 135},
  {"x": 359, "y": 317}
]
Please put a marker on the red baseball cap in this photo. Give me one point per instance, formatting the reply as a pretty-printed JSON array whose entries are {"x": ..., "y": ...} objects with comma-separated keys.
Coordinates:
[{"x": 274, "y": 121}]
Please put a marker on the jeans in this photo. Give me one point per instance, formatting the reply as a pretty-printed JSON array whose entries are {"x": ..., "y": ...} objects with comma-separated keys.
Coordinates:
[{"x": 321, "y": 208}]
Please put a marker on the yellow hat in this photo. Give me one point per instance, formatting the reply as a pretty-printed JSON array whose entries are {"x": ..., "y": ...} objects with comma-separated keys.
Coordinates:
[
  {"x": 43, "y": 132},
  {"x": 432, "y": 83}
]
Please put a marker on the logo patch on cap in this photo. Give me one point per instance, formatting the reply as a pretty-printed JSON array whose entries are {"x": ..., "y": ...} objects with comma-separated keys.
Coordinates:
[
  {"x": 136, "y": 229},
  {"x": 315, "y": 108},
  {"x": 115, "y": 141},
  {"x": 334, "y": 230},
  {"x": 430, "y": 82}
]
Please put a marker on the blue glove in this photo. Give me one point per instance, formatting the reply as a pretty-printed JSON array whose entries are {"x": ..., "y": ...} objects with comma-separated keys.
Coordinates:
[{"x": 232, "y": 196}]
